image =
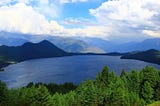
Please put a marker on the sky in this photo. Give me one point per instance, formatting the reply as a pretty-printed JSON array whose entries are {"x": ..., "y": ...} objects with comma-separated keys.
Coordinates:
[{"x": 117, "y": 20}]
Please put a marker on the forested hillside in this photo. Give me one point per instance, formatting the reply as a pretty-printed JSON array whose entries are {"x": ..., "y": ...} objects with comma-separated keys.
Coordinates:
[
  {"x": 136, "y": 88},
  {"x": 43, "y": 49},
  {"x": 152, "y": 56}
]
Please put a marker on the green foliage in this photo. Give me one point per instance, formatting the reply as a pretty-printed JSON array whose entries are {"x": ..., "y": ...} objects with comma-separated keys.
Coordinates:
[
  {"x": 135, "y": 100},
  {"x": 151, "y": 56},
  {"x": 157, "y": 91},
  {"x": 147, "y": 92},
  {"x": 87, "y": 94},
  {"x": 133, "y": 81},
  {"x": 3, "y": 93},
  {"x": 136, "y": 88},
  {"x": 53, "y": 88},
  {"x": 157, "y": 103},
  {"x": 41, "y": 97},
  {"x": 104, "y": 78},
  {"x": 149, "y": 74},
  {"x": 117, "y": 95}
]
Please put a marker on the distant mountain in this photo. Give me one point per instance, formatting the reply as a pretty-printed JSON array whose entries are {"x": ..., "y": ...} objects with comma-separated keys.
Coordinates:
[
  {"x": 110, "y": 46},
  {"x": 27, "y": 51},
  {"x": 12, "y": 41},
  {"x": 71, "y": 44},
  {"x": 68, "y": 44},
  {"x": 152, "y": 56},
  {"x": 136, "y": 46},
  {"x": 99, "y": 43},
  {"x": 149, "y": 44},
  {"x": 80, "y": 44}
]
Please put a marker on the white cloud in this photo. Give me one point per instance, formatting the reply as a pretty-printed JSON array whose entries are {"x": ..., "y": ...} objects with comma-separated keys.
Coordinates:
[
  {"x": 129, "y": 17},
  {"x": 24, "y": 19},
  {"x": 152, "y": 33},
  {"x": 90, "y": 31},
  {"x": 71, "y": 1},
  {"x": 79, "y": 22},
  {"x": 49, "y": 8}
]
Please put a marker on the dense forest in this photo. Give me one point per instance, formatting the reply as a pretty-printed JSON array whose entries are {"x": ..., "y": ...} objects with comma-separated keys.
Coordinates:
[
  {"x": 136, "y": 88},
  {"x": 151, "y": 56}
]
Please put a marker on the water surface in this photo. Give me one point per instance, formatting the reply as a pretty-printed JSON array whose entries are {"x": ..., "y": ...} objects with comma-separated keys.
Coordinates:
[{"x": 65, "y": 69}]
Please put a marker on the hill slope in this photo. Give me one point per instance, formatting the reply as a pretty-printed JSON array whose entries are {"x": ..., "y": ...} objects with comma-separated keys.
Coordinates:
[
  {"x": 152, "y": 56},
  {"x": 27, "y": 51}
]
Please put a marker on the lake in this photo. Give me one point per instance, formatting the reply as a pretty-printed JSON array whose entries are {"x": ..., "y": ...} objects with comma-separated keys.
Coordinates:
[{"x": 65, "y": 69}]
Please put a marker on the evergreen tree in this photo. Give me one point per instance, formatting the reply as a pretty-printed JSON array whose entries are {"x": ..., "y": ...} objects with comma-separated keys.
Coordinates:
[
  {"x": 149, "y": 74},
  {"x": 57, "y": 99},
  {"x": 133, "y": 81},
  {"x": 42, "y": 97},
  {"x": 123, "y": 74},
  {"x": 134, "y": 100},
  {"x": 3, "y": 93},
  {"x": 147, "y": 92},
  {"x": 123, "y": 77},
  {"x": 104, "y": 78},
  {"x": 69, "y": 99},
  {"x": 117, "y": 94},
  {"x": 87, "y": 94},
  {"x": 157, "y": 91}
]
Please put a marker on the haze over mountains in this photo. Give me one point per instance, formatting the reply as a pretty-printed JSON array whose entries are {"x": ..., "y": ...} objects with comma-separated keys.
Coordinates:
[
  {"x": 68, "y": 44},
  {"x": 80, "y": 44}
]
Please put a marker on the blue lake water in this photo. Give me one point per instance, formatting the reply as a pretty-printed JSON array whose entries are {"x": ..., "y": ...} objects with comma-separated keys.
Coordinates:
[{"x": 65, "y": 69}]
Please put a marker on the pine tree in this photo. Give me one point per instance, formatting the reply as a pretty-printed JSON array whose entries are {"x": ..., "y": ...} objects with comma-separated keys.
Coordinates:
[
  {"x": 157, "y": 91},
  {"x": 147, "y": 92},
  {"x": 42, "y": 97},
  {"x": 87, "y": 93},
  {"x": 149, "y": 74},
  {"x": 117, "y": 94},
  {"x": 133, "y": 81},
  {"x": 57, "y": 99},
  {"x": 104, "y": 78},
  {"x": 3, "y": 94},
  {"x": 123, "y": 77}
]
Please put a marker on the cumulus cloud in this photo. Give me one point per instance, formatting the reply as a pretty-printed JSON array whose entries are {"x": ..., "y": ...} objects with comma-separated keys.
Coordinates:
[
  {"x": 24, "y": 19},
  {"x": 49, "y": 8},
  {"x": 130, "y": 18}
]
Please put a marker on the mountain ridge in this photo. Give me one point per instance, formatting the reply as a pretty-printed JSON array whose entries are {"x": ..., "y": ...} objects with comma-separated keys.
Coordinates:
[
  {"x": 151, "y": 55},
  {"x": 43, "y": 49}
]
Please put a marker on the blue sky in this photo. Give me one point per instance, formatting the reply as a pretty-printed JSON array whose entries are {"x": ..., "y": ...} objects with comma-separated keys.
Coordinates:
[
  {"x": 80, "y": 9},
  {"x": 120, "y": 20}
]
